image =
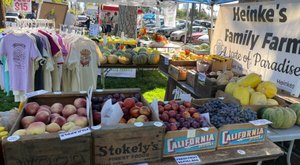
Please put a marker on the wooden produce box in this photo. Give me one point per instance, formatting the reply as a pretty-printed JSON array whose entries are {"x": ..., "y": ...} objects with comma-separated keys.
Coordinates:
[
  {"x": 191, "y": 77},
  {"x": 48, "y": 148},
  {"x": 127, "y": 143},
  {"x": 207, "y": 91},
  {"x": 165, "y": 61},
  {"x": 179, "y": 74},
  {"x": 220, "y": 65},
  {"x": 237, "y": 135},
  {"x": 190, "y": 141}
]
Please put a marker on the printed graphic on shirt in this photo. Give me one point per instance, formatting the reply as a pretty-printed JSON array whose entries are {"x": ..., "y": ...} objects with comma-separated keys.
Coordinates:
[
  {"x": 85, "y": 57},
  {"x": 19, "y": 55}
]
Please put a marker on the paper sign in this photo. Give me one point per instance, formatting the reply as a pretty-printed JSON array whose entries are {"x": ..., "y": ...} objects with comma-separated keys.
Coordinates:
[
  {"x": 35, "y": 93},
  {"x": 260, "y": 122},
  {"x": 201, "y": 77},
  {"x": 190, "y": 159},
  {"x": 22, "y": 6},
  {"x": 177, "y": 92},
  {"x": 186, "y": 97},
  {"x": 154, "y": 106},
  {"x": 111, "y": 114},
  {"x": 166, "y": 61},
  {"x": 94, "y": 30},
  {"x": 206, "y": 116},
  {"x": 75, "y": 133}
]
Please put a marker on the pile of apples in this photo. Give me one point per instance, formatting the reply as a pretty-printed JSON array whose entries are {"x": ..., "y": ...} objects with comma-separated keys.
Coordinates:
[
  {"x": 180, "y": 116},
  {"x": 41, "y": 119},
  {"x": 134, "y": 110}
]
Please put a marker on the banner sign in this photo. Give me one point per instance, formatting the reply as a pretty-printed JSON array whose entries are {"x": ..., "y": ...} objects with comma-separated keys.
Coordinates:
[
  {"x": 94, "y": 30},
  {"x": 22, "y": 6},
  {"x": 170, "y": 10},
  {"x": 263, "y": 38}
]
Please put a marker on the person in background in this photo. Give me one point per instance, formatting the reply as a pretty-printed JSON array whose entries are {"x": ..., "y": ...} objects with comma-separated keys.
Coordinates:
[
  {"x": 88, "y": 22},
  {"x": 70, "y": 19},
  {"x": 108, "y": 22},
  {"x": 115, "y": 20}
]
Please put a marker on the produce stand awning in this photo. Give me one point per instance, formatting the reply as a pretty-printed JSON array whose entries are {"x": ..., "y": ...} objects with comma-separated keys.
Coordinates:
[{"x": 143, "y": 3}]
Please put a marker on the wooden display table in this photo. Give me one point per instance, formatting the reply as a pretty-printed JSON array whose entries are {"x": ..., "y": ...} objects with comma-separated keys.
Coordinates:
[{"x": 266, "y": 151}]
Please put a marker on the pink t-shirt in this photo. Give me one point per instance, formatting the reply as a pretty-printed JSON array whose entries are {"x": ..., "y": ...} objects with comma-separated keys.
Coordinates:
[{"x": 20, "y": 51}]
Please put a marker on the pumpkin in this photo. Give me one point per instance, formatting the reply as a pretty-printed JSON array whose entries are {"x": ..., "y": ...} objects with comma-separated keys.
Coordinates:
[
  {"x": 140, "y": 59},
  {"x": 251, "y": 80},
  {"x": 296, "y": 108},
  {"x": 112, "y": 59},
  {"x": 230, "y": 87},
  {"x": 125, "y": 58},
  {"x": 281, "y": 117},
  {"x": 142, "y": 50},
  {"x": 133, "y": 53},
  {"x": 272, "y": 102},
  {"x": 153, "y": 58},
  {"x": 258, "y": 98},
  {"x": 242, "y": 94},
  {"x": 119, "y": 53},
  {"x": 268, "y": 88}
]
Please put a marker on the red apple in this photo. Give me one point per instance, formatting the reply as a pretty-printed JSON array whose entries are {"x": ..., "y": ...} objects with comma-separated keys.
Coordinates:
[
  {"x": 134, "y": 112},
  {"x": 27, "y": 120},
  {"x": 36, "y": 128},
  {"x": 72, "y": 118},
  {"x": 57, "y": 108},
  {"x": 81, "y": 111},
  {"x": 69, "y": 110},
  {"x": 31, "y": 108},
  {"x": 44, "y": 109},
  {"x": 181, "y": 107},
  {"x": 186, "y": 114},
  {"x": 173, "y": 127},
  {"x": 45, "y": 106},
  {"x": 53, "y": 115},
  {"x": 81, "y": 121},
  {"x": 175, "y": 106},
  {"x": 187, "y": 104},
  {"x": 52, "y": 127},
  {"x": 192, "y": 110},
  {"x": 129, "y": 103},
  {"x": 59, "y": 120},
  {"x": 96, "y": 117},
  {"x": 164, "y": 117},
  {"x": 142, "y": 118},
  {"x": 167, "y": 106},
  {"x": 172, "y": 113},
  {"x": 132, "y": 120}
]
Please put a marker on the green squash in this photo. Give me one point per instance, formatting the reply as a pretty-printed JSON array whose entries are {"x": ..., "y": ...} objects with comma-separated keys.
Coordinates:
[
  {"x": 133, "y": 53},
  {"x": 281, "y": 117},
  {"x": 142, "y": 50},
  {"x": 140, "y": 59},
  {"x": 119, "y": 53},
  {"x": 153, "y": 59},
  {"x": 125, "y": 58},
  {"x": 296, "y": 108}
]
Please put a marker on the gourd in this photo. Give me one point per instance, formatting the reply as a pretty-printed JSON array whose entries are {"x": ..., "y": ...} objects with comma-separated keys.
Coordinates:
[
  {"x": 258, "y": 98},
  {"x": 139, "y": 59},
  {"x": 112, "y": 59},
  {"x": 103, "y": 60},
  {"x": 230, "y": 87},
  {"x": 296, "y": 108},
  {"x": 272, "y": 102},
  {"x": 242, "y": 94},
  {"x": 251, "y": 80},
  {"x": 268, "y": 88},
  {"x": 281, "y": 117},
  {"x": 142, "y": 50},
  {"x": 125, "y": 58},
  {"x": 153, "y": 58}
]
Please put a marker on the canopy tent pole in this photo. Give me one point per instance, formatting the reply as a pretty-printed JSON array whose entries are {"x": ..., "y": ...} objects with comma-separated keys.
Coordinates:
[
  {"x": 212, "y": 23},
  {"x": 186, "y": 23},
  {"x": 192, "y": 20}
]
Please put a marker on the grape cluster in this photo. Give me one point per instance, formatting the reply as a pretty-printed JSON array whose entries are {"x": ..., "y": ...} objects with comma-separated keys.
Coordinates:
[{"x": 221, "y": 113}]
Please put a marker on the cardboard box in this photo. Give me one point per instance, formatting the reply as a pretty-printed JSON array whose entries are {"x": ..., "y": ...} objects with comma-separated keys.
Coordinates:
[
  {"x": 48, "y": 148},
  {"x": 127, "y": 143},
  {"x": 178, "y": 73},
  {"x": 191, "y": 77},
  {"x": 221, "y": 65},
  {"x": 165, "y": 61},
  {"x": 190, "y": 141},
  {"x": 237, "y": 135},
  {"x": 207, "y": 91}
]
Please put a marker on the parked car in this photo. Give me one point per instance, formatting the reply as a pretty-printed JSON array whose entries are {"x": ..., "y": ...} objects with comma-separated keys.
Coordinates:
[
  {"x": 179, "y": 35},
  {"x": 204, "y": 23},
  {"x": 11, "y": 20},
  {"x": 166, "y": 31},
  {"x": 13, "y": 14},
  {"x": 80, "y": 21},
  {"x": 203, "y": 39},
  {"x": 196, "y": 35}
]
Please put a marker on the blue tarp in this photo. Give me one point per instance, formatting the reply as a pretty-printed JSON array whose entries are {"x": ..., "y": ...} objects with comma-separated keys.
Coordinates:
[{"x": 208, "y": 2}]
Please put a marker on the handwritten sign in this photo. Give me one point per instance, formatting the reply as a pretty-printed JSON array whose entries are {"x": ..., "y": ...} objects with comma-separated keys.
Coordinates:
[
  {"x": 190, "y": 159},
  {"x": 260, "y": 122},
  {"x": 22, "y": 6},
  {"x": 94, "y": 30},
  {"x": 75, "y": 133}
]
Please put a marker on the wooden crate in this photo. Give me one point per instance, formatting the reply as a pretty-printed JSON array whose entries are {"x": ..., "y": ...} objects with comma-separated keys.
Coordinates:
[
  {"x": 191, "y": 78},
  {"x": 237, "y": 135},
  {"x": 48, "y": 148},
  {"x": 178, "y": 74},
  {"x": 127, "y": 144},
  {"x": 165, "y": 61},
  {"x": 192, "y": 141},
  {"x": 122, "y": 136},
  {"x": 207, "y": 91}
]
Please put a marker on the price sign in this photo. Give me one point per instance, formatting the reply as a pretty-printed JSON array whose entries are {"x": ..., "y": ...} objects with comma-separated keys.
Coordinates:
[
  {"x": 167, "y": 61},
  {"x": 202, "y": 77},
  {"x": 260, "y": 122},
  {"x": 94, "y": 30},
  {"x": 189, "y": 159},
  {"x": 22, "y": 6},
  {"x": 75, "y": 133}
]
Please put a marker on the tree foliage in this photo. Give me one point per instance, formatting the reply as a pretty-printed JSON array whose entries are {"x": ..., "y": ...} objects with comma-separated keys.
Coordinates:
[
  {"x": 181, "y": 14},
  {"x": 7, "y": 3}
]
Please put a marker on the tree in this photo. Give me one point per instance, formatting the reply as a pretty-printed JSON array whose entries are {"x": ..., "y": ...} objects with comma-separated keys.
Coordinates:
[
  {"x": 8, "y": 3},
  {"x": 127, "y": 21}
]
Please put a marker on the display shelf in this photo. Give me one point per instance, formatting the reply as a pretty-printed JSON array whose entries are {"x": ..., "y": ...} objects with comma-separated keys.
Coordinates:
[{"x": 266, "y": 151}]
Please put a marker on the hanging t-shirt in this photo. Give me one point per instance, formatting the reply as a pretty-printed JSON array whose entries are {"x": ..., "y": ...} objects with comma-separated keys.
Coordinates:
[
  {"x": 20, "y": 51},
  {"x": 54, "y": 47},
  {"x": 83, "y": 64}
]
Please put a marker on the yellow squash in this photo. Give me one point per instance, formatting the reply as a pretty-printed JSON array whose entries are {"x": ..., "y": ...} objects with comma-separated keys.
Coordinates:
[
  {"x": 268, "y": 88},
  {"x": 242, "y": 94},
  {"x": 251, "y": 80},
  {"x": 258, "y": 98},
  {"x": 230, "y": 87}
]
